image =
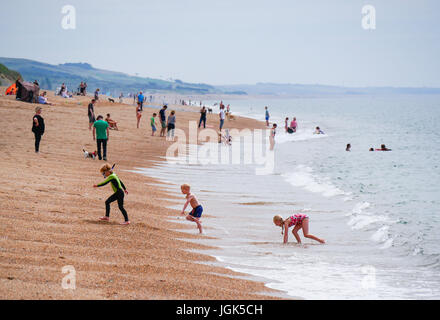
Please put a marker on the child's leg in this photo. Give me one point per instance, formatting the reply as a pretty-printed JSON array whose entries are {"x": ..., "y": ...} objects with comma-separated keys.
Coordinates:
[
  {"x": 305, "y": 226},
  {"x": 295, "y": 232},
  {"x": 199, "y": 225},
  {"x": 112, "y": 198},
  {"x": 121, "y": 204}
]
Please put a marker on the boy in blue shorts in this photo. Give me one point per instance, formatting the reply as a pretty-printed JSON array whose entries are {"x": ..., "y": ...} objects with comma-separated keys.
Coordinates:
[{"x": 197, "y": 210}]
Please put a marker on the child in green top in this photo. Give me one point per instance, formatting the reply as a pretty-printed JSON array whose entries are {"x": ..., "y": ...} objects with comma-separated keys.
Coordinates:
[
  {"x": 118, "y": 188},
  {"x": 153, "y": 124}
]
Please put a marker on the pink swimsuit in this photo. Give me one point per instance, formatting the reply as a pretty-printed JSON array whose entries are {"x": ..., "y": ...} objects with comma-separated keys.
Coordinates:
[{"x": 297, "y": 218}]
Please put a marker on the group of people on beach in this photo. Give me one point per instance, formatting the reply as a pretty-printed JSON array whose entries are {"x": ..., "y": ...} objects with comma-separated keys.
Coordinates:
[{"x": 101, "y": 129}]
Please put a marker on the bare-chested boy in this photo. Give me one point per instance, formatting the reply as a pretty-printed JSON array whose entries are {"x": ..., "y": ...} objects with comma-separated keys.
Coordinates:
[{"x": 197, "y": 210}]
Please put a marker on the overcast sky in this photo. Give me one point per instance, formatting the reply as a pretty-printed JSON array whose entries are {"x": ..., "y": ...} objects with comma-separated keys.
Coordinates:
[{"x": 235, "y": 41}]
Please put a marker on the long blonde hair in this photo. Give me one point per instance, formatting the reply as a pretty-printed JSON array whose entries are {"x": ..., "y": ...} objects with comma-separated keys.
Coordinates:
[{"x": 279, "y": 218}]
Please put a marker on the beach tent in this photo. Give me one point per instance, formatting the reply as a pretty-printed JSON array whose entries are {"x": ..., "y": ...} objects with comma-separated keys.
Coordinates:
[
  {"x": 12, "y": 90},
  {"x": 27, "y": 91}
]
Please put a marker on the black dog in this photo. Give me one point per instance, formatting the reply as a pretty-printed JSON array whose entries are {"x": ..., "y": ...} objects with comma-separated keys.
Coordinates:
[
  {"x": 111, "y": 100},
  {"x": 209, "y": 110}
]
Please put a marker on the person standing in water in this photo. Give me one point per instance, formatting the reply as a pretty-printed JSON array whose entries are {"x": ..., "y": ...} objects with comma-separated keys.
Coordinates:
[
  {"x": 273, "y": 132},
  {"x": 197, "y": 210},
  {"x": 118, "y": 188},
  {"x": 300, "y": 221},
  {"x": 267, "y": 116},
  {"x": 171, "y": 125},
  {"x": 293, "y": 124}
]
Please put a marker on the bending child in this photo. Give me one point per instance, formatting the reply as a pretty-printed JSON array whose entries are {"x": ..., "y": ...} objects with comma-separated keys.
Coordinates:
[
  {"x": 197, "y": 210},
  {"x": 118, "y": 195},
  {"x": 299, "y": 221}
]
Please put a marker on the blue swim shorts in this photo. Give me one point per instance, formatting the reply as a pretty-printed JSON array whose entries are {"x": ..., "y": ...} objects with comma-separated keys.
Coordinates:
[{"x": 197, "y": 212}]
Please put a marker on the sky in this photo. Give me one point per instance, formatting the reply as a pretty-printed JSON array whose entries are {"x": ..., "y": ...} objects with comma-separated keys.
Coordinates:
[{"x": 223, "y": 42}]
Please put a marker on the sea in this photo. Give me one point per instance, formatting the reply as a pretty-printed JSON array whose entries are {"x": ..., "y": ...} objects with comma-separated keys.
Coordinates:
[{"x": 379, "y": 212}]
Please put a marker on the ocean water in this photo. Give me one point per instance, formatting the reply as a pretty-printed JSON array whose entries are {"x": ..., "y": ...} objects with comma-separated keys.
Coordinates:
[{"x": 379, "y": 212}]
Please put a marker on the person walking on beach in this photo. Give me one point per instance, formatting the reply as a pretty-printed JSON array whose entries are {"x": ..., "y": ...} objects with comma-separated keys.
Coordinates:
[
  {"x": 222, "y": 116},
  {"x": 138, "y": 114},
  {"x": 171, "y": 125},
  {"x": 163, "y": 120},
  {"x": 97, "y": 94},
  {"x": 91, "y": 113},
  {"x": 153, "y": 124},
  {"x": 267, "y": 116},
  {"x": 101, "y": 128},
  {"x": 38, "y": 128},
  {"x": 297, "y": 220},
  {"x": 203, "y": 117},
  {"x": 286, "y": 124},
  {"x": 197, "y": 210},
  {"x": 118, "y": 188},
  {"x": 141, "y": 99}
]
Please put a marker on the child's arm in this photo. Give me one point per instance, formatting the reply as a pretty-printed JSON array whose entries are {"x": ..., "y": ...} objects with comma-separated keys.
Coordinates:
[
  {"x": 286, "y": 232},
  {"x": 188, "y": 200},
  {"x": 106, "y": 181},
  {"x": 123, "y": 187}
]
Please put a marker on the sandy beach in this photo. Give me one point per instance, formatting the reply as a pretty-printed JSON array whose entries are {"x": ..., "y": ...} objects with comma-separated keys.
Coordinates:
[{"x": 49, "y": 212}]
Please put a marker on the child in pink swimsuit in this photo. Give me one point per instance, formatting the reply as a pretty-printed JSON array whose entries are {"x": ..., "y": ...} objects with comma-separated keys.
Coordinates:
[{"x": 297, "y": 220}]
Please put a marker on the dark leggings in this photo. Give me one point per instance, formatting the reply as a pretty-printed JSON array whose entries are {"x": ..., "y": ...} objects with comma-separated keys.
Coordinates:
[
  {"x": 202, "y": 119},
  {"x": 37, "y": 141},
  {"x": 117, "y": 196},
  {"x": 102, "y": 142}
]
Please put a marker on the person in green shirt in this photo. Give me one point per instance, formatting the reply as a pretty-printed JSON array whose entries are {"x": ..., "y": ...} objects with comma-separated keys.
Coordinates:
[
  {"x": 118, "y": 195},
  {"x": 153, "y": 124},
  {"x": 101, "y": 135}
]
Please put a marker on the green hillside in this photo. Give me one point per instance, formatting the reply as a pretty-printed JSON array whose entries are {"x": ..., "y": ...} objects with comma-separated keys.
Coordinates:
[
  {"x": 7, "y": 76},
  {"x": 52, "y": 76}
]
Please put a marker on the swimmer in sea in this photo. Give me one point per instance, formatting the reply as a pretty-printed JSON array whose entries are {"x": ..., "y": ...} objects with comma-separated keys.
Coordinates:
[
  {"x": 318, "y": 131},
  {"x": 383, "y": 148}
]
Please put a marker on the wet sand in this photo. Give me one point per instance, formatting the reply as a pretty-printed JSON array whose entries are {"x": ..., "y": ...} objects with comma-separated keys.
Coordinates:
[{"x": 49, "y": 212}]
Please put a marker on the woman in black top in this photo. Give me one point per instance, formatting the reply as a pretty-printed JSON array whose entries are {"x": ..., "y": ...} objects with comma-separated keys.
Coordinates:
[
  {"x": 38, "y": 128},
  {"x": 202, "y": 117}
]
